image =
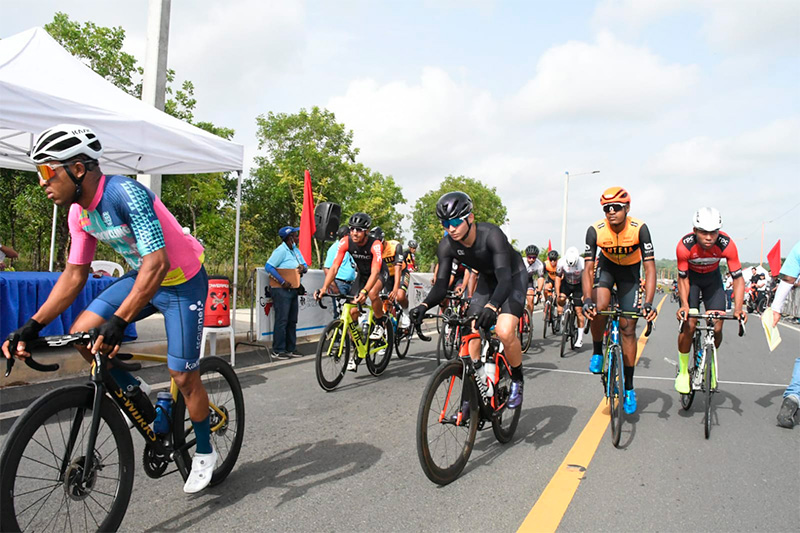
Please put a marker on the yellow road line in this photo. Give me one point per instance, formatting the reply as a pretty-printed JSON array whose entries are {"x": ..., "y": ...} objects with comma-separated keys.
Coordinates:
[{"x": 551, "y": 506}]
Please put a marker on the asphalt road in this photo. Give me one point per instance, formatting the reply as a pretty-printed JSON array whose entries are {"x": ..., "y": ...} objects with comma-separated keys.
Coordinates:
[{"x": 347, "y": 460}]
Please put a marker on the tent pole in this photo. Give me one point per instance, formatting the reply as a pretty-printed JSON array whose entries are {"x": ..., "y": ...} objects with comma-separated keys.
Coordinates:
[
  {"x": 53, "y": 236},
  {"x": 236, "y": 246}
]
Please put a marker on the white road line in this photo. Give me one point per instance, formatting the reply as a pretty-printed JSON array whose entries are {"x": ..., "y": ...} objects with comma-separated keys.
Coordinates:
[{"x": 789, "y": 326}]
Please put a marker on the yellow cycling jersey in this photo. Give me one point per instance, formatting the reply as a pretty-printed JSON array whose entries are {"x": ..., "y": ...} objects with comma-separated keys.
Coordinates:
[{"x": 393, "y": 254}]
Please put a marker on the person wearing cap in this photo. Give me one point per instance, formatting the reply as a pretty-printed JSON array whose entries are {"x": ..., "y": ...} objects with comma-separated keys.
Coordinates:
[
  {"x": 346, "y": 274},
  {"x": 284, "y": 298}
]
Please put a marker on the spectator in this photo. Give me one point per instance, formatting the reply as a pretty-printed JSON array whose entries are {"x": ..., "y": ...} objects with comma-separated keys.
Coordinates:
[
  {"x": 6, "y": 251},
  {"x": 347, "y": 272},
  {"x": 790, "y": 273},
  {"x": 284, "y": 298},
  {"x": 728, "y": 291}
]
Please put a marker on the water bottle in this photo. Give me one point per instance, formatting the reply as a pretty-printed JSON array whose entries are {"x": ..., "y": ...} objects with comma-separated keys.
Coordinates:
[
  {"x": 163, "y": 413},
  {"x": 490, "y": 369},
  {"x": 363, "y": 321}
]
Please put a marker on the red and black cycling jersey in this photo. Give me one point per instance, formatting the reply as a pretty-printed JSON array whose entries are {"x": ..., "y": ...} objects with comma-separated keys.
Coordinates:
[
  {"x": 491, "y": 255},
  {"x": 691, "y": 256},
  {"x": 364, "y": 256}
]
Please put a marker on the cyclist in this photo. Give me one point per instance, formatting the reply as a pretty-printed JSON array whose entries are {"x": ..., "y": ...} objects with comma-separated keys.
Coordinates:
[
  {"x": 550, "y": 273},
  {"x": 624, "y": 244},
  {"x": 167, "y": 273},
  {"x": 535, "y": 267},
  {"x": 501, "y": 282},
  {"x": 394, "y": 258},
  {"x": 699, "y": 254},
  {"x": 568, "y": 284},
  {"x": 372, "y": 274},
  {"x": 411, "y": 256},
  {"x": 789, "y": 274}
]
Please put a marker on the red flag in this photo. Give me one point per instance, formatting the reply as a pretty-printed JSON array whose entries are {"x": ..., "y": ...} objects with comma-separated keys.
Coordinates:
[
  {"x": 774, "y": 258},
  {"x": 549, "y": 246},
  {"x": 307, "y": 225}
]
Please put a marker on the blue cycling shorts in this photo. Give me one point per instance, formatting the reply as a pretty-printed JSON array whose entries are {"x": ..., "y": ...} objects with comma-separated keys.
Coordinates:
[{"x": 182, "y": 307}]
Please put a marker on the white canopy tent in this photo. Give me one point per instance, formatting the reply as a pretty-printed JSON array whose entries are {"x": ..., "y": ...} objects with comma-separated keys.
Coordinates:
[{"x": 41, "y": 84}]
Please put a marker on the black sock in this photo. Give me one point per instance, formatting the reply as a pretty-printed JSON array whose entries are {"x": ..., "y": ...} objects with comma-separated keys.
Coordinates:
[
  {"x": 516, "y": 373},
  {"x": 597, "y": 346},
  {"x": 628, "y": 371}
]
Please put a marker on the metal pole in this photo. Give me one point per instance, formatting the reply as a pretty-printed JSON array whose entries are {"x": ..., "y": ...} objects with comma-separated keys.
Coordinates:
[
  {"x": 53, "y": 236},
  {"x": 564, "y": 215},
  {"x": 236, "y": 246},
  {"x": 761, "y": 257}
]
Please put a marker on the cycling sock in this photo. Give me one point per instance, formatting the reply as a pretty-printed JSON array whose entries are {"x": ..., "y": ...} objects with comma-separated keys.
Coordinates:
[
  {"x": 683, "y": 362},
  {"x": 628, "y": 371},
  {"x": 202, "y": 432},
  {"x": 124, "y": 378},
  {"x": 597, "y": 346},
  {"x": 516, "y": 373}
]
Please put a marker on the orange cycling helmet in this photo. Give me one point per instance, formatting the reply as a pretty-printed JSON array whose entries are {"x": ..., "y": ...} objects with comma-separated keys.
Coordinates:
[{"x": 615, "y": 195}]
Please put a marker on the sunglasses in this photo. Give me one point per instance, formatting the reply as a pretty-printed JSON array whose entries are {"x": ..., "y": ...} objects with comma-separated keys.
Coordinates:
[
  {"x": 453, "y": 222},
  {"x": 357, "y": 230},
  {"x": 616, "y": 207},
  {"x": 48, "y": 170}
]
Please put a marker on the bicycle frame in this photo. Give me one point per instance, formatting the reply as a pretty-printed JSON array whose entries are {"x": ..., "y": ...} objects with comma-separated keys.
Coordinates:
[{"x": 350, "y": 326}]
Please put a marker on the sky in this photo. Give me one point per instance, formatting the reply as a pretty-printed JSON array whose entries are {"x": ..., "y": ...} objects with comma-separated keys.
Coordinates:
[{"x": 685, "y": 103}]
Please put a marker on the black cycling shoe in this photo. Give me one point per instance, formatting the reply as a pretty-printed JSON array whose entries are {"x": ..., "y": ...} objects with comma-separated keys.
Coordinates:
[{"x": 787, "y": 413}]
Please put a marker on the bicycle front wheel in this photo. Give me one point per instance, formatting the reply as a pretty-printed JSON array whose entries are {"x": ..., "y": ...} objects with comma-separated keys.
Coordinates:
[
  {"x": 333, "y": 353},
  {"x": 565, "y": 333},
  {"x": 708, "y": 376},
  {"x": 402, "y": 340},
  {"x": 443, "y": 446},
  {"x": 546, "y": 316},
  {"x": 42, "y": 480},
  {"x": 616, "y": 393},
  {"x": 379, "y": 351},
  {"x": 226, "y": 412}
]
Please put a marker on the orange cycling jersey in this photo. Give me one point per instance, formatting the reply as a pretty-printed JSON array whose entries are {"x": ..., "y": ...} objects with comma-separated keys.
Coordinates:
[
  {"x": 628, "y": 247},
  {"x": 393, "y": 255},
  {"x": 550, "y": 269}
]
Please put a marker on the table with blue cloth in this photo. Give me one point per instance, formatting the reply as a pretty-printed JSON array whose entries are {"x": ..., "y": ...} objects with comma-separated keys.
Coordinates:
[{"x": 22, "y": 293}]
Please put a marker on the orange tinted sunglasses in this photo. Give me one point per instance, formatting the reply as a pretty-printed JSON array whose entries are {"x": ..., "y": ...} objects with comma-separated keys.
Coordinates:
[{"x": 47, "y": 171}]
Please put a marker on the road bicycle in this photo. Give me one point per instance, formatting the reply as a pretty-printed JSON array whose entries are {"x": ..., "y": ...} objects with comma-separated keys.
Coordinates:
[
  {"x": 343, "y": 335},
  {"x": 549, "y": 315},
  {"x": 403, "y": 332},
  {"x": 703, "y": 366},
  {"x": 612, "y": 375},
  {"x": 459, "y": 399},
  {"x": 68, "y": 460},
  {"x": 525, "y": 329},
  {"x": 450, "y": 335},
  {"x": 569, "y": 326}
]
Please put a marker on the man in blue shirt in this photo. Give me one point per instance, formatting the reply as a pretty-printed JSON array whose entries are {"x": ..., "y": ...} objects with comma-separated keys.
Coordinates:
[
  {"x": 347, "y": 271},
  {"x": 284, "y": 298},
  {"x": 790, "y": 272}
]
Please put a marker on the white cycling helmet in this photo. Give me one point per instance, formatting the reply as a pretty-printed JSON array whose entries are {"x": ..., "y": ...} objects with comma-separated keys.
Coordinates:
[
  {"x": 707, "y": 219},
  {"x": 65, "y": 141},
  {"x": 571, "y": 257}
]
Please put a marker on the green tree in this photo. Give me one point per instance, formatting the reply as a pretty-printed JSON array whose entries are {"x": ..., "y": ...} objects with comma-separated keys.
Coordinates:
[
  {"x": 427, "y": 229},
  {"x": 312, "y": 140}
]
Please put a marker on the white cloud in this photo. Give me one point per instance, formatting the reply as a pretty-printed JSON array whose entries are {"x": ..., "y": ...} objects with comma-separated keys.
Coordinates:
[{"x": 608, "y": 79}]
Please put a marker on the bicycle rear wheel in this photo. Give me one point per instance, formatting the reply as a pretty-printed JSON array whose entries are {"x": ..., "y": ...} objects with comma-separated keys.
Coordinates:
[
  {"x": 546, "y": 317},
  {"x": 43, "y": 460},
  {"x": 708, "y": 376},
  {"x": 226, "y": 412},
  {"x": 442, "y": 446},
  {"x": 615, "y": 393},
  {"x": 379, "y": 360},
  {"x": 573, "y": 330},
  {"x": 402, "y": 340},
  {"x": 504, "y": 421},
  {"x": 526, "y": 330},
  {"x": 333, "y": 353}
]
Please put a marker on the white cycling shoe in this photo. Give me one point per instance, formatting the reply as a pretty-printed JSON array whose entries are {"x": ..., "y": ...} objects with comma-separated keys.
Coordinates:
[
  {"x": 377, "y": 333},
  {"x": 202, "y": 468}
]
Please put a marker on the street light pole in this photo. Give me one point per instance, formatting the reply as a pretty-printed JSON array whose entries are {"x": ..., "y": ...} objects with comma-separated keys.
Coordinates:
[{"x": 564, "y": 210}]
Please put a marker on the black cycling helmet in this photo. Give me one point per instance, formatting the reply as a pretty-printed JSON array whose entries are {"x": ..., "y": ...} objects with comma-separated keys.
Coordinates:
[
  {"x": 454, "y": 204},
  {"x": 343, "y": 230},
  {"x": 360, "y": 221},
  {"x": 376, "y": 233},
  {"x": 552, "y": 255},
  {"x": 532, "y": 250},
  {"x": 412, "y": 243}
]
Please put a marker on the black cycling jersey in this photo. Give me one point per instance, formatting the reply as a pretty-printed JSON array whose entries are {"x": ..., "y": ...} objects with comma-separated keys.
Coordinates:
[{"x": 490, "y": 255}]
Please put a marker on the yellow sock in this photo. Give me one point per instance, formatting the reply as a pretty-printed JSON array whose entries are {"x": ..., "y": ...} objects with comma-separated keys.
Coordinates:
[{"x": 683, "y": 363}]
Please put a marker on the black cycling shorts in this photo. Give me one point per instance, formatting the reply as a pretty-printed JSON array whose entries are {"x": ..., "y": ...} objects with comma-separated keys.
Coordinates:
[
  {"x": 514, "y": 304},
  {"x": 361, "y": 280},
  {"x": 625, "y": 277},
  {"x": 575, "y": 290},
  {"x": 710, "y": 286}
]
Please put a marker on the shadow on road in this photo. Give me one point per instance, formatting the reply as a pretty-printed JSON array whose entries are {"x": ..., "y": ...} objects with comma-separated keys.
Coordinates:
[{"x": 296, "y": 470}]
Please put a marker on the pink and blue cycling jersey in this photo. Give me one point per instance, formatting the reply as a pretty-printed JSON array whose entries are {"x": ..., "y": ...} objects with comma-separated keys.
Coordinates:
[{"x": 129, "y": 217}]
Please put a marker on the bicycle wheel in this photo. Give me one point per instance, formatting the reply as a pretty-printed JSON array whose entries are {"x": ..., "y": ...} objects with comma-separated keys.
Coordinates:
[
  {"x": 546, "y": 316},
  {"x": 525, "y": 330},
  {"x": 504, "y": 421},
  {"x": 226, "y": 411},
  {"x": 565, "y": 330},
  {"x": 379, "y": 360},
  {"x": 331, "y": 360},
  {"x": 615, "y": 393},
  {"x": 42, "y": 464},
  {"x": 709, "y": 390},
  {"x": 687, "y": 399},
  {"x": 402, "y": 339},
  {"x": 573, "y": 329},
  {"x": 442, "y": 446}
]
